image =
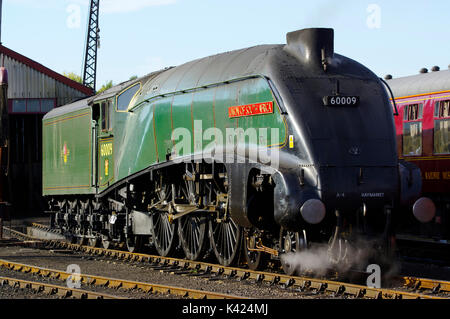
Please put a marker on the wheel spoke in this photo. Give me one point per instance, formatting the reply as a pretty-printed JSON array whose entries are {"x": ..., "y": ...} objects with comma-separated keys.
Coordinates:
[
  {"x": 291, "y": 242},
  {"x": 192, "y": 233},
  {"x": 225, "y": 241},
  {"x": 229, "y": 241},
  {"x": 163, "y": 233}
]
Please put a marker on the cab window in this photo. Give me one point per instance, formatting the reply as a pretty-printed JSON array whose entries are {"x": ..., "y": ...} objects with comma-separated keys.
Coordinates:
[
  {"x": 442, "y": 127},
  {"x": 124, "y": 99},
  {"x": 104, "y": 118},
  {"x": 412, "y": 129}
]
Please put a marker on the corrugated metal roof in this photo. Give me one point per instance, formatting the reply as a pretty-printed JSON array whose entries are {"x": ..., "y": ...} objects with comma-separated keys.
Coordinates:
[
  {"x": 420, "y": 84},
  {"x": 4, "y": 51},
  {"x": 29, "y": 79}
]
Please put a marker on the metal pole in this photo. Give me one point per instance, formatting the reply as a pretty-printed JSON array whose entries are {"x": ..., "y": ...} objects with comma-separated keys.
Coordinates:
[
  {"x": 92, "y": 45},
  {"x": 3, "y": 143},
  {"x": 1, "y": 6}
]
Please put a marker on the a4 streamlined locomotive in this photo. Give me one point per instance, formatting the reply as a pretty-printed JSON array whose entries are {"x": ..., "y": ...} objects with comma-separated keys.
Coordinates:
[{"x": 258, "y": 151}]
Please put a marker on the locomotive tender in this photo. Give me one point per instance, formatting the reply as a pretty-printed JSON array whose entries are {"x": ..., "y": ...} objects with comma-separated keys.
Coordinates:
[{"x": 260, "y": 150}]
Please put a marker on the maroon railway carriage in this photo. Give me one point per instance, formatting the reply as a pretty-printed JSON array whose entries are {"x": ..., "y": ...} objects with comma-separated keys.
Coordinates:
[{"x": 423, "y": 138}]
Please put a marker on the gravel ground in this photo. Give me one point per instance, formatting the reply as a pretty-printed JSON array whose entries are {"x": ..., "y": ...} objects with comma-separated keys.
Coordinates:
[
  {"x": 138, "y": 272},
  {"x": 8, "y": 292}
]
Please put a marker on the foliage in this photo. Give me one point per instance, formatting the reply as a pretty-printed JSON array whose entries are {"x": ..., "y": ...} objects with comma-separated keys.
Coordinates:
[
  {"x": 106, "y": 86},
  {"x": 73, "y": 76}
]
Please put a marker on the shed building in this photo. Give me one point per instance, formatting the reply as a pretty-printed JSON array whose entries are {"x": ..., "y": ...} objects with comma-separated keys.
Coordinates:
[{"x": 33, "y": 90}]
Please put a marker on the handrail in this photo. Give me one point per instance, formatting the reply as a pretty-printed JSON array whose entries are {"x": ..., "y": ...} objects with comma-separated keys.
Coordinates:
[{"x": 392, "y": 96}]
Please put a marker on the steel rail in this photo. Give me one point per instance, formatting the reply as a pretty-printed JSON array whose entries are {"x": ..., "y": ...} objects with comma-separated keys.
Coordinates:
[
  {"x": 64, "y": 292},
  {"x": 21, "y": 235},
  {"x": 297, "y": 282},
  {"x": 425, "y": 284},
  {"x": 116, "y": 283}
]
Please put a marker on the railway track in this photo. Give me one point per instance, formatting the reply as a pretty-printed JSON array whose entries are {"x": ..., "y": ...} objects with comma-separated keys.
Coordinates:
[
  {"x": 50, "y": 289},
  {"x": 113, "y": 283},
  {"x": 406, "y": 288}
]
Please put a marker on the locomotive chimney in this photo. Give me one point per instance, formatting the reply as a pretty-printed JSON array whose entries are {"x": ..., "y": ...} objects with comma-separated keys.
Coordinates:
[{"x": 313, "y": 46}]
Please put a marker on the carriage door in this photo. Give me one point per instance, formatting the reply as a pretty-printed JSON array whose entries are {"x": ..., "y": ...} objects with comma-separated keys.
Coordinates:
[{"x": 105, "y": 151}]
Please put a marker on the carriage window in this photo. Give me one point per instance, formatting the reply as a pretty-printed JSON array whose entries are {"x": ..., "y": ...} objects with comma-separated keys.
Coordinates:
[
  {"x": 442, "y": 127},
  {"x": 413, "y": 112},
  {"x": 412, "y": 138},
  {"x": 124, "y": 99},
  {"x": 412, "y": 130},
  {"x": 443, "y": 109}
]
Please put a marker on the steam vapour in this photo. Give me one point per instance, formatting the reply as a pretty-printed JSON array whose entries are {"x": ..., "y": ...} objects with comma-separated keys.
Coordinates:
[{"x": 318, "y": 260}]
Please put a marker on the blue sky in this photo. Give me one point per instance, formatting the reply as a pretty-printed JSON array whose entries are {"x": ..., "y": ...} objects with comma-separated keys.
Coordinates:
[{"x": 140, "y": 36}]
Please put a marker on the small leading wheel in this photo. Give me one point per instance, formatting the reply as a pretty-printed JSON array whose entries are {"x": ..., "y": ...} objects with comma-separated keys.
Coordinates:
[
  {"x": 78, "y": 237},
  {"x": 256, "y": 260},
  {"x": 164, "y": 233},
  {"x": 192, "y": 230},
  {"x": 81, "y": 240},
  {"x": 106, "y": 242},
  {"x": 134, "y": 243},
  {"x": 94, "y": 242},
  {"x": 225, "y": 237},
  {"x": 291, "y": 243}
]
